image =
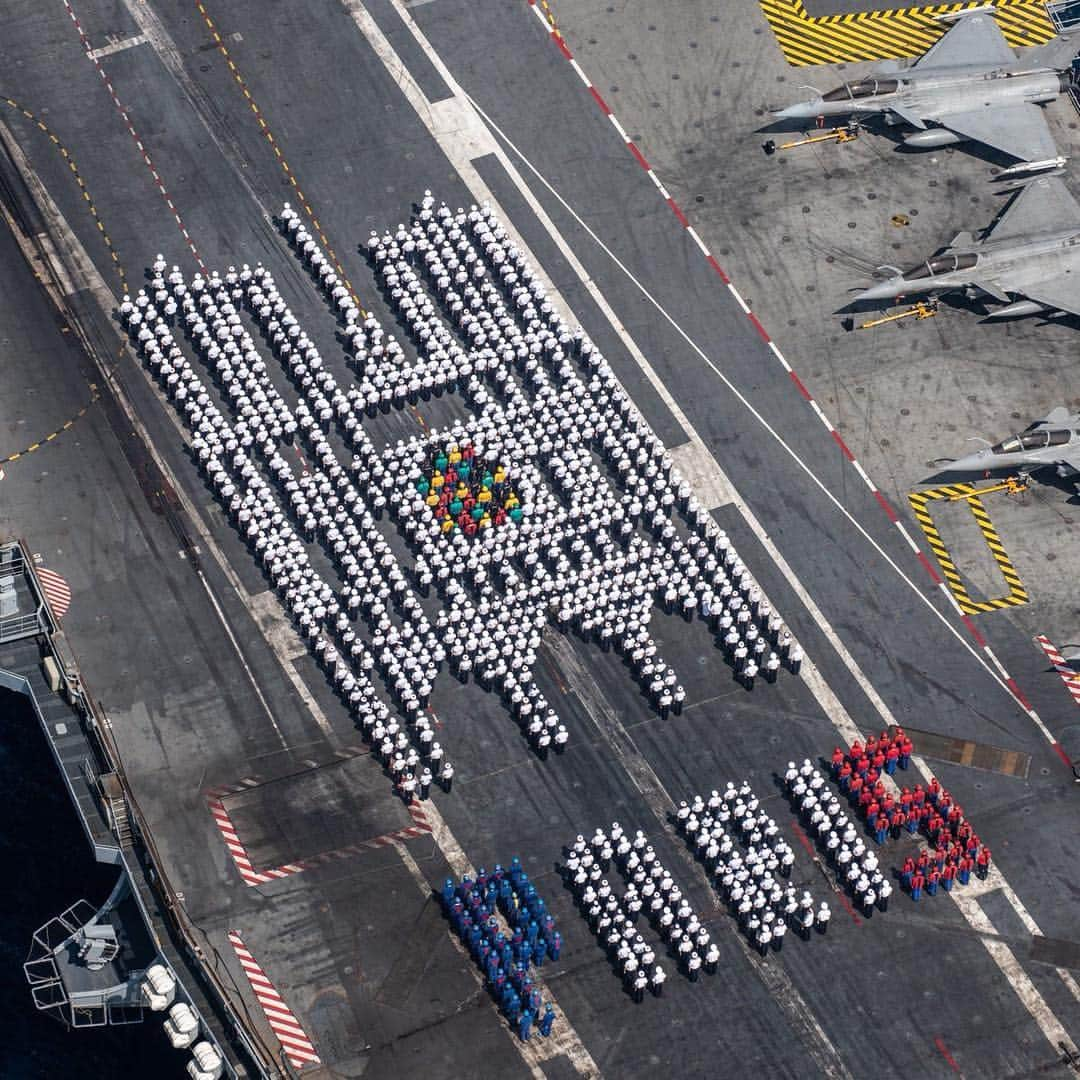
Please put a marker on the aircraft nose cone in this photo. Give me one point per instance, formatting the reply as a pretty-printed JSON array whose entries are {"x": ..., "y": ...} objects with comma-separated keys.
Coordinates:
[
  {"x": 802, "y": 110},
  {"x": 885, "y": 290},
  {"x": 976, "y": 462}
]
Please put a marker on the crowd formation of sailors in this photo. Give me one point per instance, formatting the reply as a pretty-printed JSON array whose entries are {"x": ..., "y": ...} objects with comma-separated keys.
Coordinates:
[
  {"x": 611, "y": 526},
  {"x": 596, "y": 547},
  {"x": 279, "y": 519},
  {"x": 856, "y": 865},
  {"x": 463, "y": 493},
  {"x": 504, "y": 949},
  {"x": 750, "y": 865},
  {"x": 953, "y": 850},
  {"x": 613, "y": 916}
]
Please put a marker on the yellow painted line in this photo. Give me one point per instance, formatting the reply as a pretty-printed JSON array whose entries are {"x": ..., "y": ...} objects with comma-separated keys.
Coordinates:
[
  {"x": 899, "y": 32},
  {"x": 545, "y": 7},
  {"x": 54, "y": 434},
  {"x": 12, "y": 103},
  {"x": 257, "y": 112},
  {"x": 968, "y": 494}
]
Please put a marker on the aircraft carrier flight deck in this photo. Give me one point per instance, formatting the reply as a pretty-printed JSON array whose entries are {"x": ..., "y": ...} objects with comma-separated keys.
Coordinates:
[{"x": 499, "y": 383}]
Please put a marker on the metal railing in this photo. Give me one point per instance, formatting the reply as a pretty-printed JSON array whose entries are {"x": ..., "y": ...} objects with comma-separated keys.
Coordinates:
[
  {"x": 16, "y": 627},
  {"x": 13, "y": 563},
  {"x": 1064, "y": 14},
  {"x": 244, "y": 1026},
  {"x": 229, "y": 1000}
]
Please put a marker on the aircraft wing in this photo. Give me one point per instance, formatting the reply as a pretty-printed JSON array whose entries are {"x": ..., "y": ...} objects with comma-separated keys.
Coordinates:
[
  {"x": 974, "y": 40},
  {"x": 1061, "y": 293},
  {"x": 1043, "y": 205},
  {"x": 1018, "y": 130},
  {"x": 1057, "y": 54},
  {"x": 1069, "y": 461}
]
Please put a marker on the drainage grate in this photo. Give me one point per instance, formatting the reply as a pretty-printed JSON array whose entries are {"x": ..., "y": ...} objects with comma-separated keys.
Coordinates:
[{"x": 971, "y": 754}]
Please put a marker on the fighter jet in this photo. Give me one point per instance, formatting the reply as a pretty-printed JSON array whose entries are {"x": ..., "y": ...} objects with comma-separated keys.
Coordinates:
[
  {"x": 1052, "y": 442},
  {"x": 968, "y": 87},
  {"x": 1028, "y": 260}
]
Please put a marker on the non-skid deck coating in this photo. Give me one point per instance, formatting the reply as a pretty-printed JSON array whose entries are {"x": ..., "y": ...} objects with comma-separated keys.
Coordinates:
[
  {"x": 372, "y": 979},
  {"x": 890, "y": 33}
]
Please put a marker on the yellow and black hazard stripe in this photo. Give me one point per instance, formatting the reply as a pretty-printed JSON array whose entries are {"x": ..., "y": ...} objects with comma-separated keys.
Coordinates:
[
  {"x": 66, "y": 155},
  {"x": 53, "y": 435},
  {"x": 897, "y": 32},
  {"x": 253, "y": 105},
  {"x": 549, "y": 15},
  {"x": 967, "y": 493}
]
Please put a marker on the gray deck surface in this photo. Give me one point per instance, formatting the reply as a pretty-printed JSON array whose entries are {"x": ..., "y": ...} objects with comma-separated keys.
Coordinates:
[{"x": 354, "y": 944}]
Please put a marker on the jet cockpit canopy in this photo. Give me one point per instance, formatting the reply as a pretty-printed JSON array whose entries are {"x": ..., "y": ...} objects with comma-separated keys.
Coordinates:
[
  {"x": 1033, "y": 440},
  {"x": 941, "y": 264},
  {"x": 862, "y": 89}
]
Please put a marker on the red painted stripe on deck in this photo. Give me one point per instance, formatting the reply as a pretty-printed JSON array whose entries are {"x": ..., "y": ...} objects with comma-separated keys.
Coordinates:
[
  {"x": 758, "y": 327},
  {"x": 974, "y": 631},
  {"x": 1017, "y": 692},
  {"x": 640, "y": 156},
  {"x": 805, "y": 841},
  {"x": 711, "y": 260},
  {"x": 802, "y": 389},
  {"x": 599, "y": 100},
  {"x": 846, "y": 903},
  {"x": 929, "y": 569},
  {"x": 884, "y": 504},
  {"x": 843, "y": 445},
  {"x": 939, "y": 1042}
]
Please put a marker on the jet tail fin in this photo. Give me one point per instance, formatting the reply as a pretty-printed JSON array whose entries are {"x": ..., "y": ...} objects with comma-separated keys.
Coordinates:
[{"x": 1057, "y": 54}]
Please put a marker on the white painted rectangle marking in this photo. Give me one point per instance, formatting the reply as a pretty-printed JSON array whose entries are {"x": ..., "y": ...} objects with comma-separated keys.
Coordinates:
[
  {"x": 698, "y": 466},
  {"x": 117, "y": 46}
]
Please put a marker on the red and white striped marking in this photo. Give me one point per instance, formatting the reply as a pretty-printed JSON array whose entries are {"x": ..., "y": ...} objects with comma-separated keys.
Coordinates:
[
  {"x": 297, "y": 1046},
  {"x": 145, "y": 154},
  {"x": 57, "y": 591},
  {"x": 251, "y": 876},
  {"x": 237, "y": 850},
  {"x": 1069, "y": 676},
  {"x": 560, "y": 42}
]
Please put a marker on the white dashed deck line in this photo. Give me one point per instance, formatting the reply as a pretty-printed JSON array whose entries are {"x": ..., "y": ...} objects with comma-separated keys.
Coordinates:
[
  {"x": 742, "y": 399},
  {"x": 452, "y": 144},
  {"x": 240, "y": 656},
  {"x": 1010, "y": 967},
  {"x": 117, "y": 46},
  {"x": 699, "y": 468},
  {"x": 456, "y": 139}
]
